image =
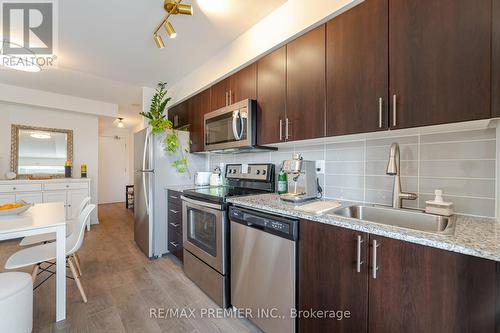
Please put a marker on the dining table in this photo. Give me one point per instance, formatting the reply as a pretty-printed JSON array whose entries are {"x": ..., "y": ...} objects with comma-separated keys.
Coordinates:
[{"x": 39, "y": 219}]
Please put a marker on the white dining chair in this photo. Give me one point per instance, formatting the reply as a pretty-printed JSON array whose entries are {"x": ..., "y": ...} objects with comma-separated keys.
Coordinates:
[
  {"x": 51, "y": 237},
  {"x": 16, "y": 302},
  {"x": 37, "y": 255}
]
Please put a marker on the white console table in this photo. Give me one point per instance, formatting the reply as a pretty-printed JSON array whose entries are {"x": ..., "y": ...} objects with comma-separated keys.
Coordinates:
[{"x": 70, "y": 191}]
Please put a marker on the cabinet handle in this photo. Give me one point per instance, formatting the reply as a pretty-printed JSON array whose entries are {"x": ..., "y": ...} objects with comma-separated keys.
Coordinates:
[
  {"x": 174, "y": 211},
  {"x": 227, "y": 100},
  {"x": 286, "y": 128},
  {"x": 281, "y": 130},
  {"x": 358, "y": 253},
  {"x": 394, "y": 109},
  {"x": 174, "y": 197},
  {"x": 230, "y": 97},
  {"x": 174, "y": 244},
  {"x": 375, "y": 267},
  {"x": 174, "y": 225},
  {"x": 380, "y": 109}
]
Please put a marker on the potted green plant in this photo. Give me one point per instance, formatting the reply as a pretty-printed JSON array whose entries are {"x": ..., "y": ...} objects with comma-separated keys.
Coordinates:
[{"x": 159, "y": 123}]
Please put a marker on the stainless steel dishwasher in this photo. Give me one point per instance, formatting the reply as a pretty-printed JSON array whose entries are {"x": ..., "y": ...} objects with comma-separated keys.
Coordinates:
[{"x": 263, "y": 268}]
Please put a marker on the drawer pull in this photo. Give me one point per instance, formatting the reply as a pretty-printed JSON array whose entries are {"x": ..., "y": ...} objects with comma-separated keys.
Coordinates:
[
  {"x": 14, "y": 188},
  {"x": 174, "y": 211},
  {"x": 174, "y": 244},
  {"x": 174, "y": 197},
  {"x": 174, "y": 225}
]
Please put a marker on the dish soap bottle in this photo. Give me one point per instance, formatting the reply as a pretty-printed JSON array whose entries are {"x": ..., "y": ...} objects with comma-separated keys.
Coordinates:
[{"x": 282, "y": 182}]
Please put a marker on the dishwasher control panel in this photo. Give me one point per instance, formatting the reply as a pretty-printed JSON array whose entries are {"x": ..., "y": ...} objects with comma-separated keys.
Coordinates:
[{"x": 273, "y": 224}]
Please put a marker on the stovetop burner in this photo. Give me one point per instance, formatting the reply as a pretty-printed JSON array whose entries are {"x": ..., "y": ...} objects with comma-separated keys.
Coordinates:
[{"x": 242, "y": 179}]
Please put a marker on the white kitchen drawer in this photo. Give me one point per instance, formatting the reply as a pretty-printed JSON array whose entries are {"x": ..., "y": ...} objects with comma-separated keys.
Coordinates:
[
  {"x": 20, "y": 188},
  {"x": 29, "y": 197},
  {"x": 66, "y": 186},
  {"x": 7, "y": 198}
]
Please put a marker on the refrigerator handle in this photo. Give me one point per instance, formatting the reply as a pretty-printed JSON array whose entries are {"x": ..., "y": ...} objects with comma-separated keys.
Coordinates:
[{"x": 144, "y": 168}]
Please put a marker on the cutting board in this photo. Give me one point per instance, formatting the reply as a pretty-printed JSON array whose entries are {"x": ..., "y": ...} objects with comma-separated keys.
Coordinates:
[{"x": 318, "y": 207}]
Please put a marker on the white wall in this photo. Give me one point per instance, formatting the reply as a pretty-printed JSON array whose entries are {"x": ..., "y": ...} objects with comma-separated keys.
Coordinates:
[
  {"x": 85, "y": 136},
  {"x": 287, "y": 22}
]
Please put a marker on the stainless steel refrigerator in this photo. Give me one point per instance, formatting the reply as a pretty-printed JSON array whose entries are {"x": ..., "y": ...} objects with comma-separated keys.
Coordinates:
[{"x": 153, "y": 173}]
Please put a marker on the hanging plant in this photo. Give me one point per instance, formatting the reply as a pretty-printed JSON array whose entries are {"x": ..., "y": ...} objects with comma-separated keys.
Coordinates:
[{"x": 159, "y": 123}]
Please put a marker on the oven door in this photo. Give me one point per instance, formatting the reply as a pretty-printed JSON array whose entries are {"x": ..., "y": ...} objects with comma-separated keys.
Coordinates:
[
  {"x": 230, "y": 127},
  {"x": 204, "y": 233}
]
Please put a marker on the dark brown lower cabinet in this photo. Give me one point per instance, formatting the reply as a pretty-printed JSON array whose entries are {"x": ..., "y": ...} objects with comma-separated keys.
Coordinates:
[
  {"x": 175, "y": 224},
  {"x": 415, "y": 289},
  {"x": 328, "y": 278}
]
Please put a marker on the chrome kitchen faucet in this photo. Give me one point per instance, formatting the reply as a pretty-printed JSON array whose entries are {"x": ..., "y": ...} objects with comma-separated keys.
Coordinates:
[{"x": 394, "y": 169}]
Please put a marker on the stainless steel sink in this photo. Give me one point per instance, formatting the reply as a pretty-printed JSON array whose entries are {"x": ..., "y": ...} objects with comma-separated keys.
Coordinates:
[{"x": 400, "y": 218}]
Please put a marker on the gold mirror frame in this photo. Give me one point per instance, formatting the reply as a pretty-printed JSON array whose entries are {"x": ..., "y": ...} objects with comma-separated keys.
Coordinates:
[{"x": 14, "y": 147}]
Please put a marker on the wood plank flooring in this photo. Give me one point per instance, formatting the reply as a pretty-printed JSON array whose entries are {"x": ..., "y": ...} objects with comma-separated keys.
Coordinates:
[{"x": 122, "y": 285}]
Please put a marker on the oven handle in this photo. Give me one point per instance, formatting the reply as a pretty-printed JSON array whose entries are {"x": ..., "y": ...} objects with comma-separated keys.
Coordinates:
[{"x": 201, "y": 203}]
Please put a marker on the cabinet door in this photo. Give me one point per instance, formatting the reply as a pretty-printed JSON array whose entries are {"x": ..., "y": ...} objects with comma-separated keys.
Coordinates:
[
  {"x": 329, "y": 279},
  {"x": 243, "y": 84},
  {"x": 7, "y": 198},
  {"x": 440, "y": 56},
  {"x": 75, "y": 199},
  {"x": 179, "y": 115},
  {"x": 271, "y": 97},
  {"x": 55, "y": 196},
  {"x": 423, "y": 289},
  {"x": 219, "y": 94},
  {"x": 357, "y": 69},
  {"x": 305, "y": 105},
  {"x": 33, "y": 198},
  {"x": 495, "y": 61},
  {"x": 199, "y": 105}
]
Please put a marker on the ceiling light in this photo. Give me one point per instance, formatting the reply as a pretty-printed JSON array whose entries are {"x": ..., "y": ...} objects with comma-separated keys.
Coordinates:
[
  {"x": 120, "y": 123},
  {"x": 40, "y": 135},
  {"x": 173, "y": 7},
  {"x": 170, "y": 30},
  {"x": 158, "y": 41}
]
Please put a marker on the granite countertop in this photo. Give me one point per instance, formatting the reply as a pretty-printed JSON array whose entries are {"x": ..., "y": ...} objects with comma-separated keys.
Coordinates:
[
  {"x": 180, "y": 188},
  {"x": 475, "y": 236}
]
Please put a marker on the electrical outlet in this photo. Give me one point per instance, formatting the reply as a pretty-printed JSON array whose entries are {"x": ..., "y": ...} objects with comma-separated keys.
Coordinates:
[{"x": 320, "y": 167}]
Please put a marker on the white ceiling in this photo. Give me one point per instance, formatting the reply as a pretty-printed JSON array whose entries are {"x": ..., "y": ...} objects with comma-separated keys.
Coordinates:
[{"x": 106, "y": 51}]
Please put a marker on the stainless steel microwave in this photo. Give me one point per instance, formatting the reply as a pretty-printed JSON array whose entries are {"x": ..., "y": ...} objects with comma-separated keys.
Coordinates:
[{"x": 231, "y": 127}]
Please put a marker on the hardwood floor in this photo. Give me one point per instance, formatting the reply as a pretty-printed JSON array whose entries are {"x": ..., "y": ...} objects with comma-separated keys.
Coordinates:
[{"x": 122, "y": 285}]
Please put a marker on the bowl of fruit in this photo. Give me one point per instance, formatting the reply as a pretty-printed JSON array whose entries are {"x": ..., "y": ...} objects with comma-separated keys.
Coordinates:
[{"x": 14, "y": 208}]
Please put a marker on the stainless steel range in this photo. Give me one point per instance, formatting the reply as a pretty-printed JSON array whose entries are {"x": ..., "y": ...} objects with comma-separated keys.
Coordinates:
[{"x": 206, "y": 226}]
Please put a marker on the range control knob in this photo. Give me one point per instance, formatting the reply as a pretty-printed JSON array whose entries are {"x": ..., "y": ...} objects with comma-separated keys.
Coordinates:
[
  {"x": 258, "y": 172},
  {"x": 263, "y": 172}
]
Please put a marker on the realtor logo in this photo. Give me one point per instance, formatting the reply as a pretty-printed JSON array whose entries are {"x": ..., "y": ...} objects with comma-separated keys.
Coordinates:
[{"x": 29, "y": 32}]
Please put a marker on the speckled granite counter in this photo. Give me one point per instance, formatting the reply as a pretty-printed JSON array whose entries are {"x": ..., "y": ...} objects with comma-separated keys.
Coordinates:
[{"x": 473, "y": 236}]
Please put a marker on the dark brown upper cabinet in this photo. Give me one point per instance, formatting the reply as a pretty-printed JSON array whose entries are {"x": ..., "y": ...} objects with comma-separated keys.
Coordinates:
[
  {"x": 341, "y": 284},
  {"x": 271, "y": 97},
  {"x": 220, "y": 94},
  {"x": 239, "y": 86},
  {"x": 439, "y": 60},
  {"x": 243, "y": 84},
  {"x": 495, "y": 79},
  {"x": 423, "y": 289},
  {"x": 179, "y": 115},
  {"x": 305, "y": 102},
  {"x": 357, "y": 69},
  {"x": 199, "y": 105}
]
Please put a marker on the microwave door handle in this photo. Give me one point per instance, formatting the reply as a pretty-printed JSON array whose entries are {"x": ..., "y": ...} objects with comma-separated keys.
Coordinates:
[
  {"x": 235, "y": 130},
  {"x": 241, "y": 125}
]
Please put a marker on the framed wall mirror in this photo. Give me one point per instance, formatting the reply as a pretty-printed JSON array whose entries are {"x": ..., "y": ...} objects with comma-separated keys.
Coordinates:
[{"x": 39, "y": 151}]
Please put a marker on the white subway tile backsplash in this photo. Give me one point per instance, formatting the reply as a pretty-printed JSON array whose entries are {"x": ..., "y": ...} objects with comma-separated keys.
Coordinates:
[{"x": 462, "y": 164}]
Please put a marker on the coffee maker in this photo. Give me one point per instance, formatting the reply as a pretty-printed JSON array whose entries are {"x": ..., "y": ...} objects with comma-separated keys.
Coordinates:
[{"x": 302, "y": 180}]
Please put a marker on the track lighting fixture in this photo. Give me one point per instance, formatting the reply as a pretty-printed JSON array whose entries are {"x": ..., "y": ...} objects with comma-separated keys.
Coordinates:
[{"x": 172, "y": 7}]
